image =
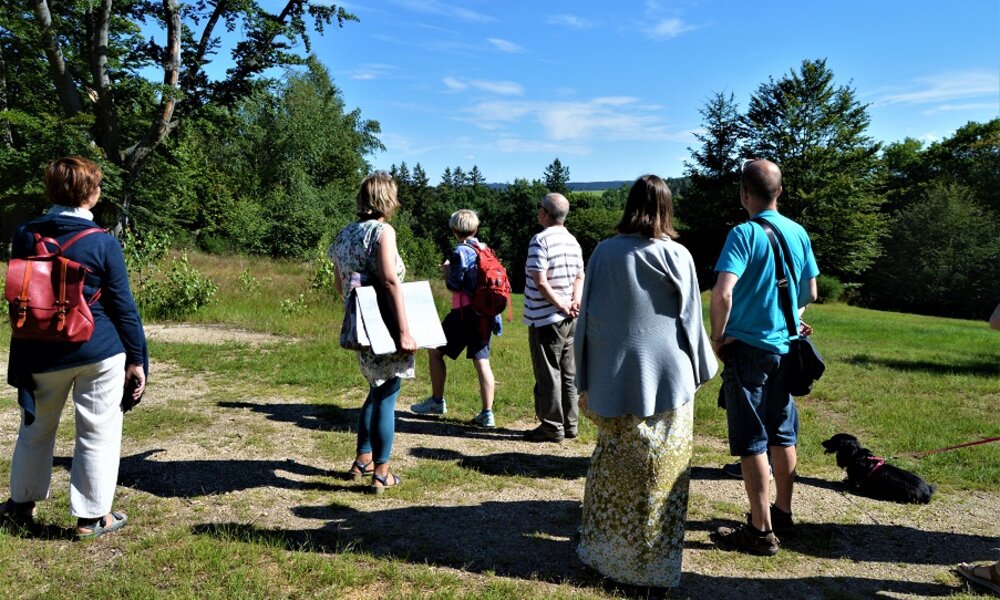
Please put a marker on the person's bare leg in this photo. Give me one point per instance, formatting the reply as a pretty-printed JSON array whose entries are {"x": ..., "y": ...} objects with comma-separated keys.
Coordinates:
[
  {"x": 439, "y": 372},
  {"x": 784, "y": 459},
  {"x": 487, "y": 385},
  {"x": 756, "y": 478}
]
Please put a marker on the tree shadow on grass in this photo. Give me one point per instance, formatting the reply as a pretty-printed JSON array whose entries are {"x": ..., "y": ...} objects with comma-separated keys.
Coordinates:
[
  {"x": 536, "y": 540},
  {"x": 873, "y": 542},
  {"x": 328, "y": 417},
  {"x": 512, "y": 463},
  {"x": 191, "y": 478},
  {"x": 985, "y": 366}
]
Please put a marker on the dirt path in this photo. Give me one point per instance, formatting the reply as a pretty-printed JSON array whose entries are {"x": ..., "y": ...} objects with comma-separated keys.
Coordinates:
[{"x": 263, "y": 466}]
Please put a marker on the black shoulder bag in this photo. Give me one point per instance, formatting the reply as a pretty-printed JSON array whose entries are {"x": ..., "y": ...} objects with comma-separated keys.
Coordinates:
[{"x": 803, "y": 363}]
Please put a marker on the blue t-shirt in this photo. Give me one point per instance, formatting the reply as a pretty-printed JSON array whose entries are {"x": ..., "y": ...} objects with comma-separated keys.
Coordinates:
[{"x": 756, "y": 316}]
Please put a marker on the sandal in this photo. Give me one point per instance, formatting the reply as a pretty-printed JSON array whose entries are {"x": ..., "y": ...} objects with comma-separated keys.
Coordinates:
[
  {"x": 99, "y": 528},
  {"x": 380, "y": 489},
  {"x": 18, "y": 514},
  {"x": 359, "y": 469},
  {"x": 969, "y": 572}
]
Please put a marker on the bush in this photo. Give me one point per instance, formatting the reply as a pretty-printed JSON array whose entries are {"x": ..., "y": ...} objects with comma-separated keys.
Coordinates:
[
  {"x": 828, "y": 289},
  {"x": 181, "y": 292}
]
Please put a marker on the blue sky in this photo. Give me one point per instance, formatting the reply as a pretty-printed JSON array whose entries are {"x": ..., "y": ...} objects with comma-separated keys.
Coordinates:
[{"x": 613, "y": 89}]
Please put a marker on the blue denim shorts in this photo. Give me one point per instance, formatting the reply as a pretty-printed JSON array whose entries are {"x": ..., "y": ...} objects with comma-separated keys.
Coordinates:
[{"x": 759, "y": 410}]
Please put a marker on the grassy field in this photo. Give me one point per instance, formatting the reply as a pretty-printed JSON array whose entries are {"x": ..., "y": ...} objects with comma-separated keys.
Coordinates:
[{"x": 258, "y": 431}]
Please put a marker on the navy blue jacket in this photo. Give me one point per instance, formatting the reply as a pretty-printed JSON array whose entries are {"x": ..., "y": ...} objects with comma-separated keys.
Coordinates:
[{"x": 117, "y": 327}]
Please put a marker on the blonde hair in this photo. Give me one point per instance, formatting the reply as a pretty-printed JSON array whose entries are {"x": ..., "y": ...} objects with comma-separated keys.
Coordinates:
[
  {"x": 377, "y": 196},
  {"x": 72, "y": 180},
  {"x": 464, "y": 222}
]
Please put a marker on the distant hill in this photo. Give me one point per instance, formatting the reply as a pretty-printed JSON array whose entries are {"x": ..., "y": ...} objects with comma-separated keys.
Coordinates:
[{"x": 677, "y": 185}]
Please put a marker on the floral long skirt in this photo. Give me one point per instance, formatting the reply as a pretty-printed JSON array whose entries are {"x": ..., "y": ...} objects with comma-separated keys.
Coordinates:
[{"x": 636, "y": 497}]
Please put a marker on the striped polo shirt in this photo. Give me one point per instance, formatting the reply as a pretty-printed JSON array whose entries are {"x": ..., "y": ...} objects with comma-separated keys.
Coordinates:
[{"x": 555, "y": 251}]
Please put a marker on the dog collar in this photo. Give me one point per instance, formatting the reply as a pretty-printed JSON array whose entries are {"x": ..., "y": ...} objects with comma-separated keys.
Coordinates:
[{"x": 876, "y": 464}]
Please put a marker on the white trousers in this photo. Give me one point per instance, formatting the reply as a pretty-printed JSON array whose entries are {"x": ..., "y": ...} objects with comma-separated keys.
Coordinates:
[{"x": 97, "y": 393}]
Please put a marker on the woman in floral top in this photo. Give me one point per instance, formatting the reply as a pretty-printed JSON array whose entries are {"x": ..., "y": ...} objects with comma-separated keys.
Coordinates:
[{"x": 366, "y": 251}]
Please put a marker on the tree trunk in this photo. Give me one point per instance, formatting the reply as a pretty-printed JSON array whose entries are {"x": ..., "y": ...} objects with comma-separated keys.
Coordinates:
[
  {"x": 69, "y": 98},
  {"x": 107, "y": 133}
]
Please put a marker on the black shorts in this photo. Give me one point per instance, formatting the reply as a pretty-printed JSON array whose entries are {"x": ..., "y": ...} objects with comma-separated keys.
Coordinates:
[{"x": 463, "y": 331}]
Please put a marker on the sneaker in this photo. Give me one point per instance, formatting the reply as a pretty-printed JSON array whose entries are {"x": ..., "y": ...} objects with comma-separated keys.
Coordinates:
[
  {"x": 781, "y": 522},
  {"x": 746, "y": 538},
  {"x": 430, "y": 406},
  {"x": 541, "y": 434},
  {"x": 735, "y": 470},
  {"x": 484, "y": 419}
]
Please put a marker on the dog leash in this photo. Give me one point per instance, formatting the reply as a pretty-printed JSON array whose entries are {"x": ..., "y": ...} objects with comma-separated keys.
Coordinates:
[{"x": 965, "y": 445}]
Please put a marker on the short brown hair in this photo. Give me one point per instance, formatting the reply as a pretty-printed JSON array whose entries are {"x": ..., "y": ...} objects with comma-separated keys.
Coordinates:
[
  {"x": 377, "y": 196},
  {"x": 72, "y": 180},
  {"x": 649, "y": 209}
]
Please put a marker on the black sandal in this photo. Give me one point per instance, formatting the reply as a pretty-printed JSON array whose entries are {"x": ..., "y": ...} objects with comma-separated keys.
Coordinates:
[
  {"x": 380, "y": 489},
  {"x": 18, "y": 514},
  {"x": 362, "y": 470}
]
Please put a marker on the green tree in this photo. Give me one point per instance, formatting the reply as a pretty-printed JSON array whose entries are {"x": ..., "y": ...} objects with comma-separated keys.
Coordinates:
[
  {"x": 942, "y": 257},
  {"x": 97, "y": 56},
  {"x": 711, "y": 205},
  {"x": 557, "y": 177},
  {"x": 816, "y": 132}
]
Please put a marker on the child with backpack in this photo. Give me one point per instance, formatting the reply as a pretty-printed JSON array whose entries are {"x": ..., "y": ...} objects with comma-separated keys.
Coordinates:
[{"x": 476, "y": 303}]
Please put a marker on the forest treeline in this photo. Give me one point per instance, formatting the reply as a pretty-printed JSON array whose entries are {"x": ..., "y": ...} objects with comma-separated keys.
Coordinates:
[{"x": 256, "y": 163}]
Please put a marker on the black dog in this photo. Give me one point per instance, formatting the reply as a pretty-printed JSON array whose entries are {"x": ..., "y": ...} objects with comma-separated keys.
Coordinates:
[{"x": 873, "y": 477}]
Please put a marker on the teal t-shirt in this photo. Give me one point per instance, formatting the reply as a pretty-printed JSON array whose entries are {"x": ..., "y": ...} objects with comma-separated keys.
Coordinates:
[{"x": 756, "y": 317}]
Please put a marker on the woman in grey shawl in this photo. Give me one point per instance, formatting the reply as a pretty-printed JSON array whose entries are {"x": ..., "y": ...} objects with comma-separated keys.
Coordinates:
[{"x": 641, "y": 352}]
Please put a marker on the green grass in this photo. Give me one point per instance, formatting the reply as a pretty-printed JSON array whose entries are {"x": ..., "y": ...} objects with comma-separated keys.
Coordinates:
[{"x": 901, "y": 383}]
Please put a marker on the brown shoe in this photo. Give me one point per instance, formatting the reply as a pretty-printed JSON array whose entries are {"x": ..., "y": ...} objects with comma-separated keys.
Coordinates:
[
  {"x": 541, "y": 434},
  {"x": 746, "y": 538}
]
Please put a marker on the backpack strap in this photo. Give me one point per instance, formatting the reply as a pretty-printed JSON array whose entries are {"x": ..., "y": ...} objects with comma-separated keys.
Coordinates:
[
  {"x": 42, "y": 243},
  {"x": 780, "y": 275}
]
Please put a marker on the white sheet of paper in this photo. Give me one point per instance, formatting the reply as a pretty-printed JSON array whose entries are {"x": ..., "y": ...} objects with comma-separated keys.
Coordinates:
[{"x": 421, "y": 314}]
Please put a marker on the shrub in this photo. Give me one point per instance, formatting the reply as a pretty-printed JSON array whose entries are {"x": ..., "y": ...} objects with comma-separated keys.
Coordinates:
[
  {"x": 828, "y": 289},
  {"x": 181, "y": 292}
]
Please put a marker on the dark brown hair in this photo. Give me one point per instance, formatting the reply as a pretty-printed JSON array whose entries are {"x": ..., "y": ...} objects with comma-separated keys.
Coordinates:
[
  {"x": 649, "y": 209},
  {"x": 71, "y": 180}
]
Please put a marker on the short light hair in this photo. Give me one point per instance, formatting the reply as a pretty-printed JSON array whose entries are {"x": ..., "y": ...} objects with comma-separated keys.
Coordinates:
[
  {"x": 557, "y": 206},
  {"x": 377, "y": 196},
  {"x": 464, "y": 222},
  {"x": 72, "y": 180}
]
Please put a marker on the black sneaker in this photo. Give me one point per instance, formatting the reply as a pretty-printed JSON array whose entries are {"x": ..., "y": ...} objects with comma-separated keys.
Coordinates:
[
  {"x": 781, "y": 522},
  {"x": 735, "y": 470},
  {"x": 541, "y": 434},
  {"x": 746, "y": 538}
]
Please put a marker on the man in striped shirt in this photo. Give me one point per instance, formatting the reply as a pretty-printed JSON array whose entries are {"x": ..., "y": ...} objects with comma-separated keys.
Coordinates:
[{"x": 552, "y": 290}]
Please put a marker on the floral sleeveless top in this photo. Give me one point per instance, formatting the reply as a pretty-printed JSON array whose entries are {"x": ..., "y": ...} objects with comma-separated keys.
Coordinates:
[{"x": 355, "y": 249}]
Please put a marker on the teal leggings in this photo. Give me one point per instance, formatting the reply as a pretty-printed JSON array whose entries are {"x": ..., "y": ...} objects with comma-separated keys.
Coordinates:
[{"x": 377, "y": 421}]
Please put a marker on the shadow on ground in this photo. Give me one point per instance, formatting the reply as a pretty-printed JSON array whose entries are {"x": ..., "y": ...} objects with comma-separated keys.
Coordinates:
[
  {"x": 982, "y": 367},
  {"x": 328, "y": 417},
  {"x": 535, "y": 540},
  {"x": 512, "y": 463}
]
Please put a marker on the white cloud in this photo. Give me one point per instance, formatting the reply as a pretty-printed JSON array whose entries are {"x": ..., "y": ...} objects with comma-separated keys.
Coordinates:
[
  {"x": 434, "y": 7},
  {"x": 505, "y": 46},
  {"x": 364, "y": 76},
  {"x": 668, "y": 29},
  {"x": 606, "y": 118},
  {"x": 968, "y": 107},
  {"x": 453, "y": 84},
  {"x": 503, "y": 88},
  {"x": 571, "y": 21},
  {"x": 943, "y": 88}
]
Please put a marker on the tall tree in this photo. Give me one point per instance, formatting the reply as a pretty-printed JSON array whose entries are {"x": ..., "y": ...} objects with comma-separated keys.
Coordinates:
[
  {"x": 711, "y": 205},
  {"x": 97, "y": 55},
  {"x": 557, "y": 177},
  {"x": 816, "y": 132}
]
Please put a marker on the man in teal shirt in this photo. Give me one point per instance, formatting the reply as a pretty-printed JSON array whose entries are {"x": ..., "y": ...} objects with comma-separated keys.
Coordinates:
[{"x": 750, "y": 336}]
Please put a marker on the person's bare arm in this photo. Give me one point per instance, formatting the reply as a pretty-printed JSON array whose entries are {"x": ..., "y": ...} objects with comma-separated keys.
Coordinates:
[{"x": 721, "y": 308}]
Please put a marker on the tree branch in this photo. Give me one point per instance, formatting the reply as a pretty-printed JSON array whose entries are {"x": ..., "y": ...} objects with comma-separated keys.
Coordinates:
[
  {"x": 107, "y": 134},
  {"x": 69, "y": 97},
  {"x": 163, "y": 123}
]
